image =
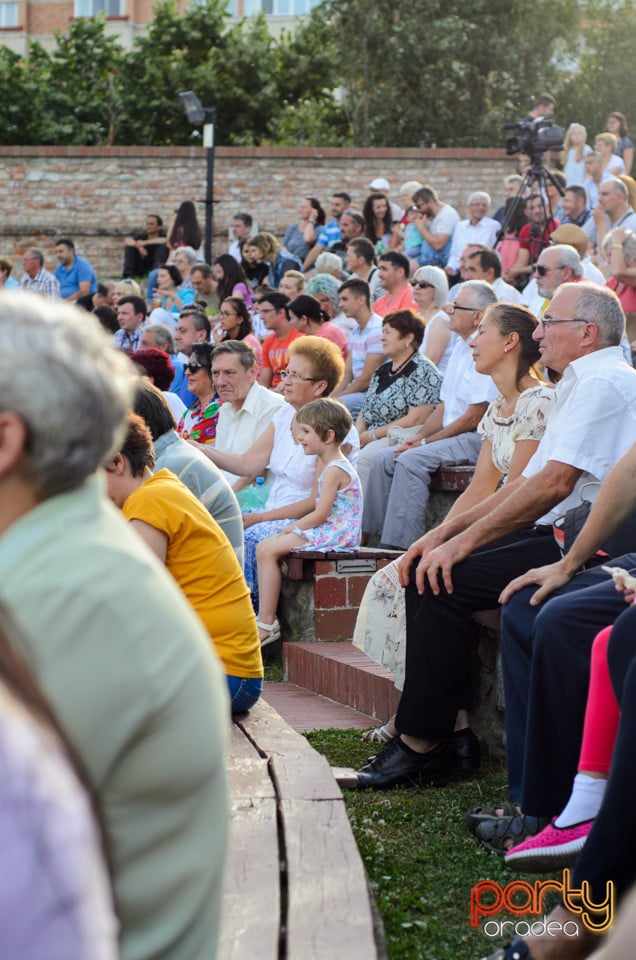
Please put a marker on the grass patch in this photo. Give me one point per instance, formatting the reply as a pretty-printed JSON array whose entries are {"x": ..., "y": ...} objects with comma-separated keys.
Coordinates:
[{"x": 421, "y": 861}]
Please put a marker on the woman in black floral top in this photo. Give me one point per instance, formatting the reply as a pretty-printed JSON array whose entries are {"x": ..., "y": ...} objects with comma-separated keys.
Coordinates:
[{"x": 403, "y": 391}]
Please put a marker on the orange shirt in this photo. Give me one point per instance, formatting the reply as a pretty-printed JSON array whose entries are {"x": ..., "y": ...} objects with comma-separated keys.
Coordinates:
[
  {"x": 276, "y": 353},
  {"x": 398, "y": 301}
]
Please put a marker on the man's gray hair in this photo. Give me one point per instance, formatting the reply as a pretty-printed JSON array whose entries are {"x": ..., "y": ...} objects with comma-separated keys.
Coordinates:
[
  {"x": 618, "y": 186},
  {"x": 482, "y": 294},
  {"x": 188, "y": 252},
  {"x": 162, "y": 335},
  {"x": 479, "y": 195},
  {"x": 62, "y": 378},
  {"x": 629, "y": 246},
  {"x": 237, "y": 348},
  {"x": 36, "y": 254},
  {"x": 601, "y": 306},
  {"x": 568, "y": 257}
]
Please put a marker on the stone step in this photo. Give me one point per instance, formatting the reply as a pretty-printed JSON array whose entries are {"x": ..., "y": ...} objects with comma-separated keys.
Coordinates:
[
  {"x": 342, "y": 673},
  {"x": 304, "y": 710}
]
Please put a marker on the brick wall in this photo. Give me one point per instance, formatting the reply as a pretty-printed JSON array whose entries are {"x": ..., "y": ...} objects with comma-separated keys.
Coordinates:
[{"x": 98, "y": 195}]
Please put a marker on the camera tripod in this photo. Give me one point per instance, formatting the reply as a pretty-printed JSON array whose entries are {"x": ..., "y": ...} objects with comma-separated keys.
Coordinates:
[{"x": 535, "y": 182}]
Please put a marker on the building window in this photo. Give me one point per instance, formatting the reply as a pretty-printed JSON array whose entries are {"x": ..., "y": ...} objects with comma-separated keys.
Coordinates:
[
  {"x": 8, "y": 14},
  {"x": 276, "y": 8},
  {"x": 90, "y": 8}
]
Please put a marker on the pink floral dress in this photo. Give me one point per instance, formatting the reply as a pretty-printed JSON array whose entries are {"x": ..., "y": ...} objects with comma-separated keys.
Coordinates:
[{"x": 341, "y": 530}]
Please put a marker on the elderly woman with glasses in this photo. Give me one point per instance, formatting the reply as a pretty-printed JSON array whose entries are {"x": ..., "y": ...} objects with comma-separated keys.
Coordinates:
[
  {"x": 198, "y": 423},
  {"x": 314, "y": 370},
  {"x": 430, "y": 292}
]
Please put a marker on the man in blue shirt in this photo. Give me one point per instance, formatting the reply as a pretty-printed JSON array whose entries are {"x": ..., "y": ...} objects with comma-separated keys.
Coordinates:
[
  {"x": 74, "y": 274},
  {"x": 330, "y": 233}
]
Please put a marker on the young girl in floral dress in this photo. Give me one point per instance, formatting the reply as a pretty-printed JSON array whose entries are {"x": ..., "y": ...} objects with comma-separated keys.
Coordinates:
[{"x": 334, "y": 523}]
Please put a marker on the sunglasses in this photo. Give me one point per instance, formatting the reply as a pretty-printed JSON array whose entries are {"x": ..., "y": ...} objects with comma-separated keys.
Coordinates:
[
  {"x": 542, "y": 271},
  {"x": 422, "y": 284},
  {"x": 193, "y": 367}
]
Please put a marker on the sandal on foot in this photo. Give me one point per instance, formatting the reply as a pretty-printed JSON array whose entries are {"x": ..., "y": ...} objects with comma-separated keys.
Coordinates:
[
  {"x": 478, "y": 814},
  {"x": 377, "y": 735},
  {"x": 272, "y": 631},
  {"x": 517, "y": 950},
  {"x": 504, "y": 833}
]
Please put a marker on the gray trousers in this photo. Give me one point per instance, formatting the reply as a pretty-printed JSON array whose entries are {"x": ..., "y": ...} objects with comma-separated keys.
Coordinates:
[{"x": 397, "y": 491}]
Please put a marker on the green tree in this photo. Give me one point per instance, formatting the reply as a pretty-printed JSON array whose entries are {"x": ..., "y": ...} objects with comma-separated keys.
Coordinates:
[
  {"x": 439, "y": 71},
  {"x": 598, "y": 79}
]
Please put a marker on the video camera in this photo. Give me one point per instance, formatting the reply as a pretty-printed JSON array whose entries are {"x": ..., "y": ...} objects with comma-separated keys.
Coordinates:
[{"x": 534, "y": 138}]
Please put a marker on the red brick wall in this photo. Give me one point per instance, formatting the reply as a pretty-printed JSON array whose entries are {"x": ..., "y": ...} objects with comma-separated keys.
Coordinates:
[{"x": 98, "y": 195}]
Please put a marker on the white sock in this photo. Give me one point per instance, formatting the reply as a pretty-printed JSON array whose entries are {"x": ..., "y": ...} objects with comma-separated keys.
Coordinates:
[{"x": 585, "y": 801}]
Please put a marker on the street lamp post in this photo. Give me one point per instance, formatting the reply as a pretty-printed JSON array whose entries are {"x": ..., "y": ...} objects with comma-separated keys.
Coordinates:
[{"x": 197, "y": 115}]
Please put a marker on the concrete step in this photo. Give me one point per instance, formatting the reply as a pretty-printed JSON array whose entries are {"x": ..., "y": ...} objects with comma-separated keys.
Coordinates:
[
  {"x": 304, "y": 710},
  {"x": 342, "y": 673}
]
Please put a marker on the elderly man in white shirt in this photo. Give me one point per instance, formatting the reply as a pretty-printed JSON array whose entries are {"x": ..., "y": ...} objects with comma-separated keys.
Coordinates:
[
  {"x": 478, "y": 228},
  {"x": 247, "y": 409}
]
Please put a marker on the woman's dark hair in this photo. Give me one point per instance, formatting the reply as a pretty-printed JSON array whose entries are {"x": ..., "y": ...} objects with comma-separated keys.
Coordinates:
[
  {"x": 137, "y": 445},
  {"x": 623, "y": 129},
  {"x": 185, "y": 231},
  {"x": 240, "y": 308},
  {"x": 515, "y": 214},
  {"x": 406, "y": 322},
  {"x": 306, "y": 306},
  {"x": 151, "y": 405},
  {"x": 369, "y": 217},
  {"x": 18, "y": 678},
  {"x": 233, "y": 273},
  {"x": 156, "y": 364},
  {"x": 510, "y": 318},
  {"x": 321, "y": 216},
  {"x": 203, "y": 352},
  {"x": 108, "y": 318},
  {"x": 174, "y": 273}
]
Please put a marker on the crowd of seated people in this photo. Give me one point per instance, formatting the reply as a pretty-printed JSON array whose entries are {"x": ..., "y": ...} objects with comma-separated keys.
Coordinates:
[{"x": 438, "y": 341}]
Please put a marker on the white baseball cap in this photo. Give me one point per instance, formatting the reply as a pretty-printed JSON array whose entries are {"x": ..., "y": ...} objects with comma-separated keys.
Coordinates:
[{"x": 380, "y": 183}]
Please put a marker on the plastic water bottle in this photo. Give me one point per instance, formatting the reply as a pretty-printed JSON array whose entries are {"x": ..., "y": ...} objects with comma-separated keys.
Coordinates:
[{"x": 254, "y": 497}]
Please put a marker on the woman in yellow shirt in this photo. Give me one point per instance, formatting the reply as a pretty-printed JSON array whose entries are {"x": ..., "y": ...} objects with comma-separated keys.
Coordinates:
[{"x": 183, "y": 535}]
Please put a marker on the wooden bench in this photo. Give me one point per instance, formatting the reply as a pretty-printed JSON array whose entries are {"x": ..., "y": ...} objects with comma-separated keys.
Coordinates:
[{"x": 295, "y": 886}]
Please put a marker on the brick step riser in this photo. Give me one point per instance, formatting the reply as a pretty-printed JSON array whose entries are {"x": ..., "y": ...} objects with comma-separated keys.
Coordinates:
[{"x": 361, "y": 684}]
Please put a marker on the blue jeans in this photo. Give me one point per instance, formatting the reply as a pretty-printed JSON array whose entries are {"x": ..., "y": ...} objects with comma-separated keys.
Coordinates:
[{"x": 243, "y": 693}]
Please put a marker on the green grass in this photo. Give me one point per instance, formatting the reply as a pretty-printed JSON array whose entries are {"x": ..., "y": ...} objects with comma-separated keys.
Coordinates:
[{"x": 421, "y": 861}]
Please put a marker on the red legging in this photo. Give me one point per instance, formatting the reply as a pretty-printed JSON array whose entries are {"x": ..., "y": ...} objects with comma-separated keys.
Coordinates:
[{"x": 601, "y": 712}]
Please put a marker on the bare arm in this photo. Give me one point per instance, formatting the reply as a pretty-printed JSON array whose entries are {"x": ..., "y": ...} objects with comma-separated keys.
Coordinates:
[
  {"x": 437, "y": 339},
  {"x": 83, "y": 289},
  {"x": 157, "y": 540},
  {"x": 521, "y": 265},
  {"x": 360, "y": 384},
  {"x": 616, "y": 500},
  {"x": 435, "y": 240},
  {"x": 252, "y": 463},
  {"x": 464, "y": 424},
  {"x": 628, "y": 159},
  {"x": 315, "y": 252},
  {"x": 515, "y": 506},
  {"x": 265, "y": 377}
]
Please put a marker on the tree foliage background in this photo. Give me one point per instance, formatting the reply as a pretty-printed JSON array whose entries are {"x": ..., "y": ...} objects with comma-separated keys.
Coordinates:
[{"x": 362, "y": 72}]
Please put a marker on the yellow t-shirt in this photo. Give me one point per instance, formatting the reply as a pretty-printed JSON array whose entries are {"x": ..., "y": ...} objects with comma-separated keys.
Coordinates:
[{"x": 202, "y": 561}]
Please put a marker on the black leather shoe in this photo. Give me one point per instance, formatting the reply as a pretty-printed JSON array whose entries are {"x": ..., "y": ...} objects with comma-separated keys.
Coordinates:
[
  {"x": 464, "y": 750},
  {"x": 394, "y": 766}
]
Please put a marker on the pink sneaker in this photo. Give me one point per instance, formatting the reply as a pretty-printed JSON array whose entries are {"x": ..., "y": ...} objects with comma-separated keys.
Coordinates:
[{"x": 551, "y": 849}]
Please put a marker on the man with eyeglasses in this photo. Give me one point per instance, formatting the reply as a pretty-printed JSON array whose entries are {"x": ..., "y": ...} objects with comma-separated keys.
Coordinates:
[
  {"x": 462, "y": 567},
  {"x": 272, "y": 309},
  {"x": 397, "y": 490}
]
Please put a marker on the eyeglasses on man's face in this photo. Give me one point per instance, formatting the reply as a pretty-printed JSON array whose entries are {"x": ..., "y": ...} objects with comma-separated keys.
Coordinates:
[
  {"x": 548, "y": 321},
  {"x": 542, "y": 271},
  {"x": 452, "y": 307}
]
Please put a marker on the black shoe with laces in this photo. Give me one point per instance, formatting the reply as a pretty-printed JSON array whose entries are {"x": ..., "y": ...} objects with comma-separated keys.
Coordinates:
[{"x": 394, "y": 766}]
